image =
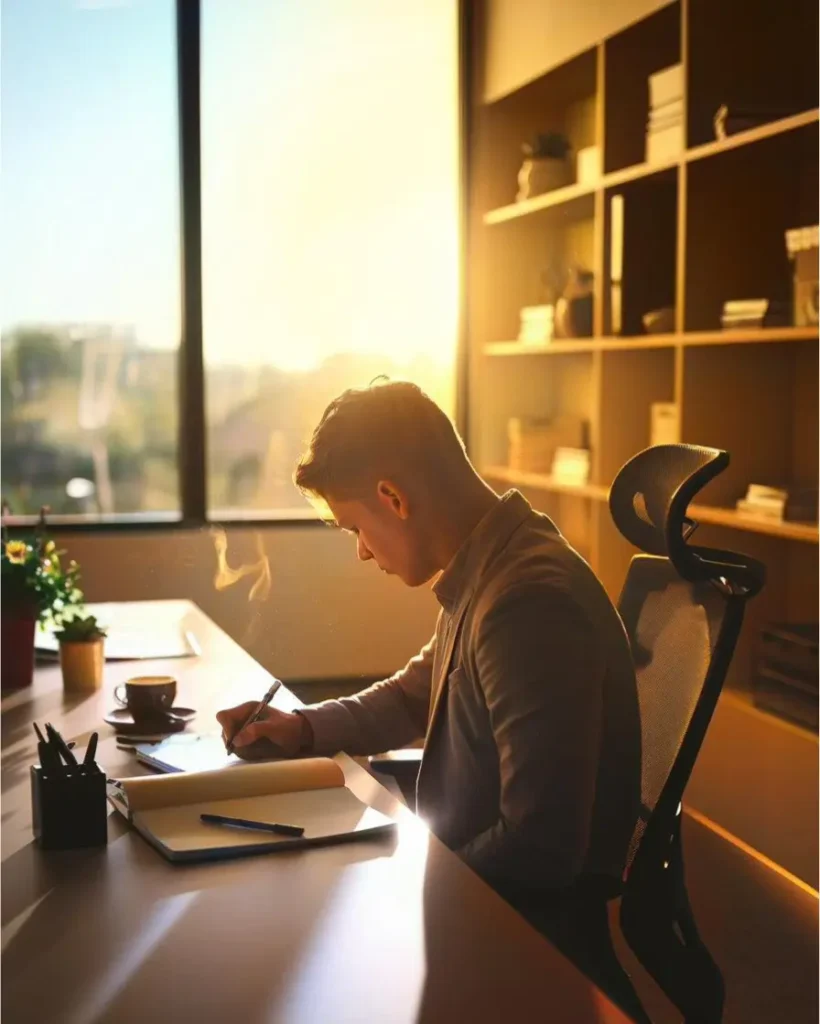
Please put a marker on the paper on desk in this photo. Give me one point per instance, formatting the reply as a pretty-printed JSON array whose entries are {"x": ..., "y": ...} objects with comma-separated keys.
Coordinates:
[{"x": 137, "y": 631}]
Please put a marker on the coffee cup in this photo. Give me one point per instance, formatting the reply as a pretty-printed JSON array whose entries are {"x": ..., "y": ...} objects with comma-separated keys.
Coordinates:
[{"x": 147, "y": 696}]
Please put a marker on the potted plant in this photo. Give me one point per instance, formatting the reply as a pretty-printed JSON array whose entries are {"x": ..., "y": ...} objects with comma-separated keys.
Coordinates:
[
  {"x": 35, "y": 588},
  {"x": 81, "y": 653},
  {"x": 546, "y": 165}
]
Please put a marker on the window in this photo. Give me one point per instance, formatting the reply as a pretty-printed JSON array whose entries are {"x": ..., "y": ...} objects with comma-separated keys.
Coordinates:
[
  {"x": 329, "y": 207},
  {"x": 90, "y": 257},
  {"x": 330, "y": 223}
]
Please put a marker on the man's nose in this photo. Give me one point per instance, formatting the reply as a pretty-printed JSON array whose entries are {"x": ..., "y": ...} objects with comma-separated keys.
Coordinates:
[{"x": 362, "y": 550}]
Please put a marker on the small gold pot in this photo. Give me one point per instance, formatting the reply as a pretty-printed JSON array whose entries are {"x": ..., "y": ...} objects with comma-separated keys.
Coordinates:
[{"x": 82, "y": 665}]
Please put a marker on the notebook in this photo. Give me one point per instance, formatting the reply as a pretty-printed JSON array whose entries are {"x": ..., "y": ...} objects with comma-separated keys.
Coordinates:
[{"x": 310, "y": 793}]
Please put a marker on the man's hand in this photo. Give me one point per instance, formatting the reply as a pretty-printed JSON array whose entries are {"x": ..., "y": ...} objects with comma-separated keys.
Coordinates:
[{"x": 274, "y": 734}]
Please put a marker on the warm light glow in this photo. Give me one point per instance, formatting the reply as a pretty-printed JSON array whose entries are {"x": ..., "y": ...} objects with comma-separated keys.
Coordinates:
[{"x": 330, "y": 181}]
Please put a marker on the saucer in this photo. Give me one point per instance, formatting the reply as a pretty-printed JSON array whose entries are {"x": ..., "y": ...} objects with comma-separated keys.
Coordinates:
[{"x": 172, "y": 721}]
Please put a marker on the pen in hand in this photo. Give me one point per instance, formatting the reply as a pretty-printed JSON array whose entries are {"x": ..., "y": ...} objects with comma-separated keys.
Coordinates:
[
  {"x": 256, "y": 713},
  {"x": 259, "y": 826}
]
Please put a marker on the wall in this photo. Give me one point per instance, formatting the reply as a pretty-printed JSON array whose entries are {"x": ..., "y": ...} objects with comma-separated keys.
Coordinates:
[
  {"x": 327, "y": 615},
  {"x": 525, "y": 38}
]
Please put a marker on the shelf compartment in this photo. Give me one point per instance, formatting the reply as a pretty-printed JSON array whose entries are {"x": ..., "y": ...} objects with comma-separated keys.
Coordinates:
[
  {"x": 630, "y": 382},
  {"x": 630, "y": 58},
  {"x": 759, "y": 403},
  {"x": 563, "y": 100},
  {"x": 640, "y": 246},
  {"x": 749, "y": 55},
  {"x": 739, "y": 206}
]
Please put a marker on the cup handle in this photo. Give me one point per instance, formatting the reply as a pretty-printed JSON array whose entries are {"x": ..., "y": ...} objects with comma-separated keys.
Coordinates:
[{"x": 123, "y": 703}]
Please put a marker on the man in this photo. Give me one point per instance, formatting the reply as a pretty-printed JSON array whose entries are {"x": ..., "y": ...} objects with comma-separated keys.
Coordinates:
[{"x": 525, "y": 695}]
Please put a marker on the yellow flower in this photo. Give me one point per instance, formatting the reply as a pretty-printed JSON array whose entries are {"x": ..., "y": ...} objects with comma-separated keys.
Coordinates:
[{"x": 16, "y": 551}]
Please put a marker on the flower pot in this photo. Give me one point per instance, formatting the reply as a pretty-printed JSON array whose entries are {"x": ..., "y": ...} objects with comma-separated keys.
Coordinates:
[
  {"x": 17, "y": 669},
  {"x": 82, "y": 665}
]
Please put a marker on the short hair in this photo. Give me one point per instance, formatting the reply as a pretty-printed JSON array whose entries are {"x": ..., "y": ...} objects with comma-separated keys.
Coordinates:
[{"x": 383, "y": 430}]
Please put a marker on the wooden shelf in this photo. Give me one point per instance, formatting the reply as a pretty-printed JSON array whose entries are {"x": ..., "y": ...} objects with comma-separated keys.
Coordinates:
[
  {"x": 557, "y": 197},
  {"x": 748, "y": 138},
  {"x": 707, "y": 514},
  {"x": 744, "y": 700},
  {"x": 752, "y": 335},
  {"x": 806, "y": 532},
  {"x": 571, "y": 193},
  {"x": 544, "y": 482}
]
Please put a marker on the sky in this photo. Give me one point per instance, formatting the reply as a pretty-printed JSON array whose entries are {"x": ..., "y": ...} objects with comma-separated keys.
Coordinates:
[{"x": 330, "y": 174}]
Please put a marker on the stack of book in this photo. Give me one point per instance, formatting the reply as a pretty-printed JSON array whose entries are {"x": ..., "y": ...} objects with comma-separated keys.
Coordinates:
[
  {"x": 533, "y": 441},
  {"x": 664, "y": 130},
  {"x": 793, "y": 503},
  {"x": 536, "y": 325},
  {"x": 531, "y": 444},
  {"x": 785, "y": 676},
  {"x": 769, "y": 502},
  {"x": 739, "y": 313},
  {"x": 571, "y": 466}
]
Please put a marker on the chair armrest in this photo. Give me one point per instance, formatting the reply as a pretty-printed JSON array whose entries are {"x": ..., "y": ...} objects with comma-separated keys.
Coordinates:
[{"x": 402, "y": 765}]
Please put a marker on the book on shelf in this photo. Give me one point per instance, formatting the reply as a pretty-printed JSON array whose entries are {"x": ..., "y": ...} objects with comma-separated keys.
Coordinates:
[
  {"x": 665, "y": 143},
  {"x": 533, "y": 441},
  {"x": 571, "y": 466},
  {"x": 666, "y": 86},
  {"x": 795, "y": 503},
  {"x": 536, "y": 325},
  {"x": 740, "y": 313}
]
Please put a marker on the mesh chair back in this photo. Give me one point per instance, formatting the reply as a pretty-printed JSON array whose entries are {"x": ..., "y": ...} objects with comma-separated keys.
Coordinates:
[{"x": 673, "y": 627}]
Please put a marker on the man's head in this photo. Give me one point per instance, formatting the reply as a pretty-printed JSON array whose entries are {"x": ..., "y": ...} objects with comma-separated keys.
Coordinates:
[{"x": 384, "y": 459}]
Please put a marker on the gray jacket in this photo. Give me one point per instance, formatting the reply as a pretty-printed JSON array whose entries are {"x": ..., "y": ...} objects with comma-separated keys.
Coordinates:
[{"x": 527, "y": 700}]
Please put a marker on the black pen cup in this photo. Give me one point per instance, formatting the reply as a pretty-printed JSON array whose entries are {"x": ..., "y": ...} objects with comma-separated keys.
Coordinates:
[{"x": 69, "y": 808}]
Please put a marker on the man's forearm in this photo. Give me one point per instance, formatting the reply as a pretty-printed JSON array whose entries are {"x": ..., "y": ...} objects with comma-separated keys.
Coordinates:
[{"x": 389, "y": 714}]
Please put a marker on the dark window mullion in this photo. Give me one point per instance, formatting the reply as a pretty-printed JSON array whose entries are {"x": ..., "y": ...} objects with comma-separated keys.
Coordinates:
[{"x": 192, "y": 463}]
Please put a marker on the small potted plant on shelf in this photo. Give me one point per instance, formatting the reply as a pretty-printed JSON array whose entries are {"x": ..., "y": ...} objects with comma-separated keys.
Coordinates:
[
  {"x": 35, "y": 588},
  {"x": 546, "y": 165},
  {"x": 81, "y": 642}
]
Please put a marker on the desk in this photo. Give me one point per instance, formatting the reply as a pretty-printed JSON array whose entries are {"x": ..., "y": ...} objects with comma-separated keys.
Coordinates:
[{"x": 382, "y": 932}]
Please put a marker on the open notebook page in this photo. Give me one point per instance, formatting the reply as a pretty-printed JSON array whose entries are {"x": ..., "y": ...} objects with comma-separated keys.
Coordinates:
[
  {"x": 322, "y": 813},
  {"x": 232, "y": 783}
]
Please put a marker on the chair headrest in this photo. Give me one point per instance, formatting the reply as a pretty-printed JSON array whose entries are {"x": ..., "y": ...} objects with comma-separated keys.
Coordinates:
[{"x": 648, "y": 501}]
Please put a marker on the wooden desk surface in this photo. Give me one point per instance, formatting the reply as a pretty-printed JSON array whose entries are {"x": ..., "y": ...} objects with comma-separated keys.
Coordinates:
[{"x": 382, "y": 932}]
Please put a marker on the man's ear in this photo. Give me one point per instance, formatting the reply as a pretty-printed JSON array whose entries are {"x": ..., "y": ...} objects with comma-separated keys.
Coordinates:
[{"x": 394, "y": 498}]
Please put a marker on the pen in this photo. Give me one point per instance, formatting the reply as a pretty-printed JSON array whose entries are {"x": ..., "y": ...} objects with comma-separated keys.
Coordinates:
[
  {"x": 91, "y": 750},
  {"x": 260, "y": 826},
  {"x": 59, "y": 744},
  {"x": 257, "y": 711}
]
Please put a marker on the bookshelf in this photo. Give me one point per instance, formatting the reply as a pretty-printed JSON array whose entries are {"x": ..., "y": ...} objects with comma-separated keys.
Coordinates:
[{"x": 707, "y": 225}]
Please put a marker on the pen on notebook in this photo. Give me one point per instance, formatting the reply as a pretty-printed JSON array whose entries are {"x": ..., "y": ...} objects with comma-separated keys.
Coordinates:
[
  {"x": 257, "y": 711},
  {"x": 259, "y": 826}
]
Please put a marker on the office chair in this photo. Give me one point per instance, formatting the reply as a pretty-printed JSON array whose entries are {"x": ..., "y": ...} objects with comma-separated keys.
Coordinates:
[{"x": 682, "y": 606}]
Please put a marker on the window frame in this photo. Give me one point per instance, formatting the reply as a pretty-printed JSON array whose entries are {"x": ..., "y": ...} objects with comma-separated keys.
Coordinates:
[{"x": 192, "y": 436}]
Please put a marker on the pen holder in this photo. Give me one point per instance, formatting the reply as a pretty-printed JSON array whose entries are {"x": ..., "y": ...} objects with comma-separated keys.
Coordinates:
[{"x": 69, "y": 809}]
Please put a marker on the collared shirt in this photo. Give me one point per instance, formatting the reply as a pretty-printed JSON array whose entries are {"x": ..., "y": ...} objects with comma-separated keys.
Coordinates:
[{"x": 527, "y": 700}]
